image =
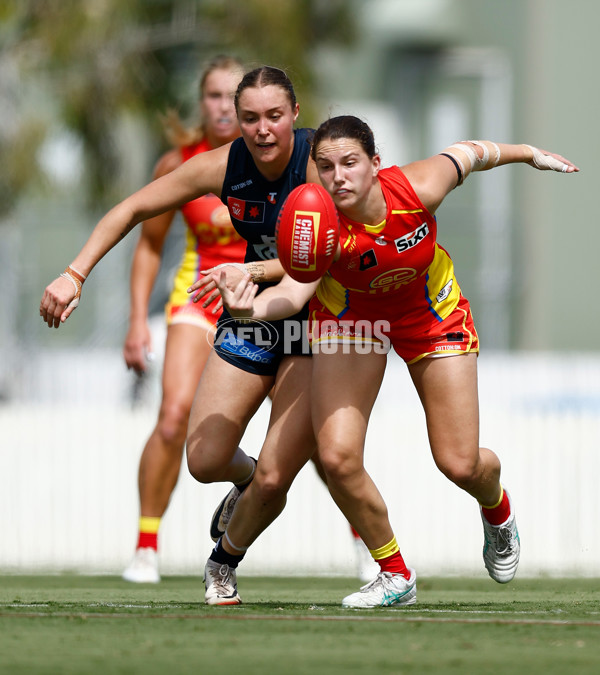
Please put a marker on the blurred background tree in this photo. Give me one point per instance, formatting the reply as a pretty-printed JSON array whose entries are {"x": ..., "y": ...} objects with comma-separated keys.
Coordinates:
[{"x": 84, "y": 66}]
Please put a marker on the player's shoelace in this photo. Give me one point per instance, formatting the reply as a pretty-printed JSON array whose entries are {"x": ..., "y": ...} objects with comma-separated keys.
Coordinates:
[
  {"x": 503, "y": 540},
  {"x": 220, "y": 578}
]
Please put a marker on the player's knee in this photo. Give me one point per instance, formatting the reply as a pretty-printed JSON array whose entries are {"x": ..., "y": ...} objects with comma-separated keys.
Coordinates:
[
  {"x": 202, "y": 472},
  {"x": 340, "y": 462},
  {"x": 271, "y": 486},
  {"x": 172, "y": 422},
  {"x": 201, "y": 465},
  {"x": 462, "y": 472}
]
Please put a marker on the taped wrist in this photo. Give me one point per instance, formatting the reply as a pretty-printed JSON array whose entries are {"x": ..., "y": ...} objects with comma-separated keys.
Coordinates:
[
  {"x": 77, "y": 279},
  {"x": 466, "y": 158}
]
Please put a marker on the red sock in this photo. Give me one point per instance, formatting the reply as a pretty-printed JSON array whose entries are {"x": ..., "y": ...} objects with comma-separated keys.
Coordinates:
[
  {"x": 148, "y": 532},
  {"x": 498, "y": 514},
  {"x": 148, "y": 540},
  {"x": 394, "y": 564}
]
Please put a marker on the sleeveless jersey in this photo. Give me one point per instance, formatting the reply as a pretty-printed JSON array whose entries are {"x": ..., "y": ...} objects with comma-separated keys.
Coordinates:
[
  {"x": 207, "y": 223},
  {"x": 210, "y": 239},
  {"x": 253, "y": 201},
  {"x": 394, "y": 270},
  {"x": 254, "y": 204}
]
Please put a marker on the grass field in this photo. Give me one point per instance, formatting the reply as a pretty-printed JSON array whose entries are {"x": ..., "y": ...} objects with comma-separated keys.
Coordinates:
[{"x": 78, "y": 624}]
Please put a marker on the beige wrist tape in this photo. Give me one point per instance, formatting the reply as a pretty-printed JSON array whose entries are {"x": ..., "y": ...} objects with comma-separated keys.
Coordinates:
[
  {"x": 489, "y": 160},
  {"x": 467, "y": 159},
  {"x": 77, "y": 279}
]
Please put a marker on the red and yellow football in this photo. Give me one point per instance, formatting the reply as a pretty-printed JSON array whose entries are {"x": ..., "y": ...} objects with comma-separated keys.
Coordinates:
[{"x": 307, "y": 232}]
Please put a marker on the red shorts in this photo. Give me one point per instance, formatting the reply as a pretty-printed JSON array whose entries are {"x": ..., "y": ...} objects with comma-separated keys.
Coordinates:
[{"x": 456, "y": 334}]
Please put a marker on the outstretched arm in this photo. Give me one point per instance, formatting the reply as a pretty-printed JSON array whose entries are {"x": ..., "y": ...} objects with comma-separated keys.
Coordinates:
[
  {"x": 198, "y": 176},
  {"x": 145, "y": 265},
  {"x": 277, "y": 302},
  {"x": 433, "y": 178}
]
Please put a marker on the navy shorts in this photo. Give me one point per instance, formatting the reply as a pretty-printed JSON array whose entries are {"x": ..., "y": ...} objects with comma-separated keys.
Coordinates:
[{"x": 259, "y": 346}]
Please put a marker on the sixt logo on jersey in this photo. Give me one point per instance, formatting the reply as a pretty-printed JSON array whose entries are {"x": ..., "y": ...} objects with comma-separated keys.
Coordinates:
[
  {"x": 246, "y": 211},
  {"x": 304, "y": 237},
  {"x": 412, "y": 238}
]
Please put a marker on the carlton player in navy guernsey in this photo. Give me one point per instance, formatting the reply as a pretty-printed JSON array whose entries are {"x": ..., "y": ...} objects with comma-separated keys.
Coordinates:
[{"x": 254, "y": 204}]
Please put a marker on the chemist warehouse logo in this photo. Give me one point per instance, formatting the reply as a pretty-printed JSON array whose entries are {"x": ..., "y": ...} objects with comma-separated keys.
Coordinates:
[{"x": 412, "y": 238}]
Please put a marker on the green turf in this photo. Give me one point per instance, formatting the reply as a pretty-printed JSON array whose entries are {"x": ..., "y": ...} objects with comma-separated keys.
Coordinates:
[{"x": 77, "y": 624}]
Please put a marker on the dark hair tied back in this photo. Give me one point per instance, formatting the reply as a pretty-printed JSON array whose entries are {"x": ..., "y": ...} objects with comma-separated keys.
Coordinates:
[
  {"x": 345, "y": 126},
  {"x": 263, "y": 77}
]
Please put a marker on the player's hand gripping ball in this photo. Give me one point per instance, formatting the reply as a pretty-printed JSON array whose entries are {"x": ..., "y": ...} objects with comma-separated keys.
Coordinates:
[{"x": 307, "y": 232}]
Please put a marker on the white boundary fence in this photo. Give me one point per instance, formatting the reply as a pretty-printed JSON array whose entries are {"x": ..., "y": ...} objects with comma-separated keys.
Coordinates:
[{"x": 68, "y": 476}]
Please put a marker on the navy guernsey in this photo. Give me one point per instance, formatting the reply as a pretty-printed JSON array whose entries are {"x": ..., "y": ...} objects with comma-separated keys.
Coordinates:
[
  {"x": 253, "y": 201},
  {"x": 254, "y": 204}
]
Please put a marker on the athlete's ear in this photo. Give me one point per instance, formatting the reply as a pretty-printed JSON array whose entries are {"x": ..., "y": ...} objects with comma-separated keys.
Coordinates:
[
  {"x": 376, "y": 161},
  {"x": 296, "y": 111}
]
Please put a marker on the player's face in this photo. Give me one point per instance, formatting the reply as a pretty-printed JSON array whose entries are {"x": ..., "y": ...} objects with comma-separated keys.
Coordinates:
[
  {"x": 347, "y": 173},
  {"x": 216, "y": 105},
  {"x": 266, "y": 118}
]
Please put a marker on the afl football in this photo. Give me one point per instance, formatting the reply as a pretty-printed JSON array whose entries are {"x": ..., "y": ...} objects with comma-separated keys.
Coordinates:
[{"x": 307, "y": 232}]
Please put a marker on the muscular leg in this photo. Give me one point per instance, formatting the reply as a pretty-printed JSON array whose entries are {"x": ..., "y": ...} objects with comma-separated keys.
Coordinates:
[
  {"x": 186, "y": 351},
  {"x": 447, "y": 388},
  {"x": 344, "y": 389},
  {"x": 288, "y": 446},
  {"x": 226, "y": 399}
]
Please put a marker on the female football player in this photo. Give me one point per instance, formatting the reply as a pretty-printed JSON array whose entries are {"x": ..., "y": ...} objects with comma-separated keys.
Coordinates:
[
  {"x": 392, "y": 285},
  {"x": 210, "y": 241},
  {"x": 252, "y": 176}
]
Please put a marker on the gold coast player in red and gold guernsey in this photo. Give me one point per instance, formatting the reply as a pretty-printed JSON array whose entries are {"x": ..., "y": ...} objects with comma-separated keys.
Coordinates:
[
  {"x": 396, "y": 265},
  {"x": 210, "y": 240},
  {"x": 393, "y": 285}
]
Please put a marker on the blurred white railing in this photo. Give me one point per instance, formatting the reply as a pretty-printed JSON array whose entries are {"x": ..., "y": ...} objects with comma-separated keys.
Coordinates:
[{"x": 69, "y": 451}]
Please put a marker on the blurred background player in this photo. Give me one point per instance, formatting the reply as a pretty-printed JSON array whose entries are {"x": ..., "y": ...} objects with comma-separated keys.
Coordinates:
[{"x": 210, "y": 240}]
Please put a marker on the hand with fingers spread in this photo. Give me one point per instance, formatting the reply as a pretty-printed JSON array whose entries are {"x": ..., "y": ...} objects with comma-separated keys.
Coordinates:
[
  {"x": 239, "y": 301},
  {"x": 207, "y": 286}
]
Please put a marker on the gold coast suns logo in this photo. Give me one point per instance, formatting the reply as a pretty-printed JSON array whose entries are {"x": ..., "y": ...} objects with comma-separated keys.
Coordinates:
[{"x": 393, "y": 279}]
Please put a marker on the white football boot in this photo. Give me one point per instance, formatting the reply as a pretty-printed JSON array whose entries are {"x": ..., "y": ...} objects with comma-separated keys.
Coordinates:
[
  {"x": 143, "y": 569},
  {"x": 386, "y": 590},
  {"x": 220, "y": 582},
  {"x": 501, "y": 547}
]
